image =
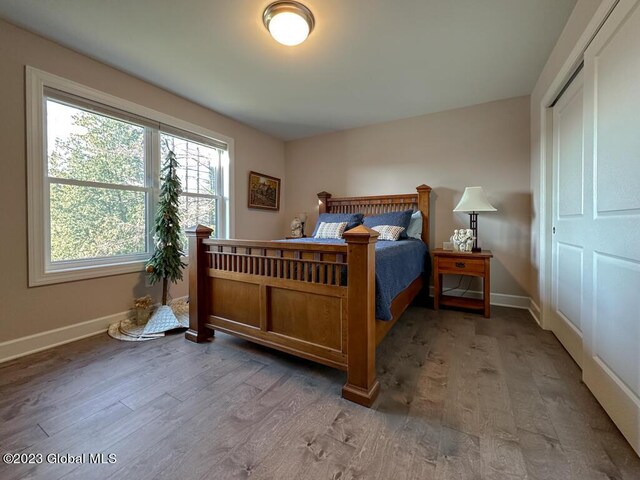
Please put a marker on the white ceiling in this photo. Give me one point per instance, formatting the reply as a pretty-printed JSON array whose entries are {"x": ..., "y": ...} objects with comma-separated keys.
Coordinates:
[{"x": 367, "y": 61}]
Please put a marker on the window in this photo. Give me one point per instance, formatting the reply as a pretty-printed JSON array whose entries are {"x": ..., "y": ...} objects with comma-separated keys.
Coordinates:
[
  {"x": 98, "y": 187},
  {"x": 198, "y": 169},
  {"x": 94, "y": 178}
]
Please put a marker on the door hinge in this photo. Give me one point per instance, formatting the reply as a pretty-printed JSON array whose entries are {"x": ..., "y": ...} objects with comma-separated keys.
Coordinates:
[{"x": 553, "y": 230}]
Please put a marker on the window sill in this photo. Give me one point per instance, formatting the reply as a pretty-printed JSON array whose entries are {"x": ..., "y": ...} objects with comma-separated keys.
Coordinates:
[{"x": 85, "y": 273}]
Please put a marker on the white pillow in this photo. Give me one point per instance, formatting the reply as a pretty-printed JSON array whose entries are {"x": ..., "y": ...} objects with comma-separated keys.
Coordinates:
[
  {"x": 388, "y": 232},
  {"x": 330, "y": 230},
  {"x": 415, "y": 226}
]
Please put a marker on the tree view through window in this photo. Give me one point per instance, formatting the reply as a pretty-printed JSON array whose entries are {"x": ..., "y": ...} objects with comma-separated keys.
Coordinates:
[
  {"x": 198, "y": 167},
  {"x": 97, "y": 191},
  {"x": 100, "y": 177}
]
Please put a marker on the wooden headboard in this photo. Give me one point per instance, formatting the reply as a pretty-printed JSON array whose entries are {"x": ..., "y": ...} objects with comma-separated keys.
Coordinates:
[{"x": 381, "y": 204}]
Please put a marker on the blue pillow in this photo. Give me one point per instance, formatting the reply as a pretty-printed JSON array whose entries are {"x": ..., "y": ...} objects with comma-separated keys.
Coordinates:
[
  {"x": 415, "y": 226},
  {"x": 398, "y": 219},
  {"x": 353, "y": 219}
]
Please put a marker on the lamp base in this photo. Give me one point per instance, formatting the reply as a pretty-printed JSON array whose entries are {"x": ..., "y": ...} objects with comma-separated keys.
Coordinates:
[{"x": 473, "y": 223}]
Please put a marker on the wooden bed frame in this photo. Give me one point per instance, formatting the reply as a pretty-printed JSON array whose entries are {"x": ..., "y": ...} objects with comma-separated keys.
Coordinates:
[{"x": 288, "y": 295}]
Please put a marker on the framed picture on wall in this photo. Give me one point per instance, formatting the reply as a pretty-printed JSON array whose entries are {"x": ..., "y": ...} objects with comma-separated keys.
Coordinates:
[{"x": 264, "y": 191}]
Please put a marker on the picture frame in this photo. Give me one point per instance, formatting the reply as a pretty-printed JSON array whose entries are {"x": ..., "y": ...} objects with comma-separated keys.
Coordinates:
[{"x": 264, "y": 192}]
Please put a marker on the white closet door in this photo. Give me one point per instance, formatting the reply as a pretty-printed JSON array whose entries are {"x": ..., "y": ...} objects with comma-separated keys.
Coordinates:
[
  {"x": 569, "y": 220},
  {"x": 611, "y": 298}
]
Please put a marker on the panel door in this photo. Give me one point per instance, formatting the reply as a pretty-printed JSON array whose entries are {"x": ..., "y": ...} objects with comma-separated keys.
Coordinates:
[
  {"x": 569, "y": 222},
  {"x": 611, "y": 299}
]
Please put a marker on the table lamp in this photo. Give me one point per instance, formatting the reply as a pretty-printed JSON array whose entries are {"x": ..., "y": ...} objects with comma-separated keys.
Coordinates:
[{"x": 473, "y": 201}]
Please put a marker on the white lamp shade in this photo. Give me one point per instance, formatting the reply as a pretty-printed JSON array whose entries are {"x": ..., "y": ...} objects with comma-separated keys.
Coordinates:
[{"x": 474, "y": 200}]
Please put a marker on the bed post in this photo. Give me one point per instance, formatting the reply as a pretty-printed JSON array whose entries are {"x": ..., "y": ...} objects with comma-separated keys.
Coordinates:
[
  {"x": 362, "y": 385},
  {"x": 424, "y": 193},
  {"x": 322, "y": 202},
  {"x": 198, "y": 292}
]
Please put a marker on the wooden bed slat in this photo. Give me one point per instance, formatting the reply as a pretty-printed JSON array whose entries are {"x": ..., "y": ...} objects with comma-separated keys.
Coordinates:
[{"x": 375, "y": 205}]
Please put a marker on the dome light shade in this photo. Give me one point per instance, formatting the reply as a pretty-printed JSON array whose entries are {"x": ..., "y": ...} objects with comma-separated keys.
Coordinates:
[{"x": 289, "y": 23}]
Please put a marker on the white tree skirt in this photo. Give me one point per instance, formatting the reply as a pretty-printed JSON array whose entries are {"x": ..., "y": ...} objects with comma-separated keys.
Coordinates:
[{"x": 164, "y": 318}]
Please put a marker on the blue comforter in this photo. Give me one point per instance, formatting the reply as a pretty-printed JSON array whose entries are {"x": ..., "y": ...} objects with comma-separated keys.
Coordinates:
[{"x": 397, "y": 265}]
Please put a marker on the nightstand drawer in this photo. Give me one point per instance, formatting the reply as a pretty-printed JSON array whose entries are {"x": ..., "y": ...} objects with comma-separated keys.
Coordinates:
[{"x": 461, "y": 265}]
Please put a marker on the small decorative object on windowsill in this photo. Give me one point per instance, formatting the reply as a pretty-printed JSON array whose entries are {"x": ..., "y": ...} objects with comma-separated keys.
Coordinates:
[
  {"x": 473, "y": 201},
  {"x": 142, "y": 307},
  {"x": 296, "y": 228}
]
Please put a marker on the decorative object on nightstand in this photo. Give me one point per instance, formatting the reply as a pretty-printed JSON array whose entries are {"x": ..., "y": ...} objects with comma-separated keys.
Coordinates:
[
  {"x": 297, "y": 230},
  {"x": 473, "y": 201},
  {"x": 462, "y": 240},
  {"x": 475, "y": 264}
]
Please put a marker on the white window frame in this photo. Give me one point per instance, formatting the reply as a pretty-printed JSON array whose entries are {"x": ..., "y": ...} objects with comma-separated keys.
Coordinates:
[
  {"x": 220, "y": 179},
  {"x": 41, "y": 271},
  {"x": 147, "y": 188}
]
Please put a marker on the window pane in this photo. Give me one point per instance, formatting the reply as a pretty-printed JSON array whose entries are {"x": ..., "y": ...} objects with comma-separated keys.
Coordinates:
[
  {"x": 198, "y": 164},
  {"x": 197, "y": 210},
  {"x": 88, "y": 222},
  {"x": 86, "y": 146}
]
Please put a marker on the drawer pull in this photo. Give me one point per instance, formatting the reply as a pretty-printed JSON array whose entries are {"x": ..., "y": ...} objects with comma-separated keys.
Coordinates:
[{"x": 460, "y": 264}]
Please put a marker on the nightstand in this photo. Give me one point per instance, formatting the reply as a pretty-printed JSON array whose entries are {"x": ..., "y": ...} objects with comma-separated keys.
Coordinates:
[{"x": 448, "y": 262}]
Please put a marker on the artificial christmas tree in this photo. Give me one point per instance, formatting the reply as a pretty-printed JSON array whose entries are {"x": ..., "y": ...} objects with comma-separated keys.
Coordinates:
[{"x": 166, "y": 263}]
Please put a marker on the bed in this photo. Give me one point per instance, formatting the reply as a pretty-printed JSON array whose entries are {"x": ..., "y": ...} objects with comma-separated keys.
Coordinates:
[{"x": 320, "y": 300}]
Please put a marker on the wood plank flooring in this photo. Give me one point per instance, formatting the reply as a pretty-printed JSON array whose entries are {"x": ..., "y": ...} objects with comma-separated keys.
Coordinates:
[{"x": 462, "y": 397}]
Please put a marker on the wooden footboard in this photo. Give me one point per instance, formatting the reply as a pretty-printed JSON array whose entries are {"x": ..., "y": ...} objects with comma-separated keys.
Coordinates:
[{"x": 316, "y": 301}]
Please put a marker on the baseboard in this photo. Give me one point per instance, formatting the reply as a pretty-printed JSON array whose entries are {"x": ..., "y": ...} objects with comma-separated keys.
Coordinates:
[
  {"x": 37, "y": 342},
  {"x": 534, "y": 310},
  {"x": 499, "y": 299}
]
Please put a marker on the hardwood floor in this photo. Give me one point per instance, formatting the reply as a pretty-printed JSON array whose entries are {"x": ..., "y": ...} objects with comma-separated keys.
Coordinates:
[{"x": 462, "y": 397}]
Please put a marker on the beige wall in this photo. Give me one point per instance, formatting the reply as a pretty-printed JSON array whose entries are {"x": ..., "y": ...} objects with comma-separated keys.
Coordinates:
[
  {"x": 25, "y": 311},
  {"x": 485, "y": 145},
  {"x": 550, "y": 81}
]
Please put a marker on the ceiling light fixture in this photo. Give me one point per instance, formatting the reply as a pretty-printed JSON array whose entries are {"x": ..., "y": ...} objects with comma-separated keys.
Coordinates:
[{"x": 289, "y": 23}]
